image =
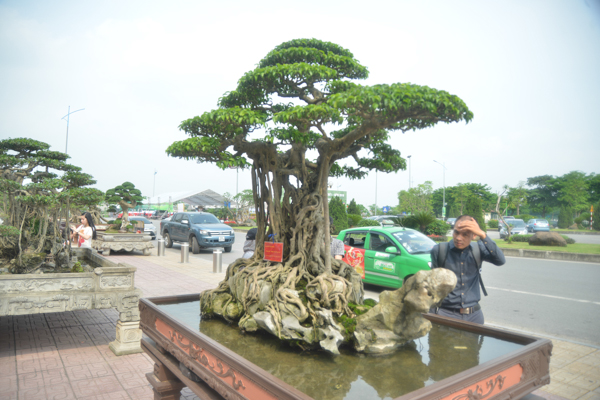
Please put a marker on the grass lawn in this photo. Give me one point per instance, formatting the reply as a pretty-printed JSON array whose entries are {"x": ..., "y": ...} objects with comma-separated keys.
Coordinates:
[{"x": 571, "y": 248}]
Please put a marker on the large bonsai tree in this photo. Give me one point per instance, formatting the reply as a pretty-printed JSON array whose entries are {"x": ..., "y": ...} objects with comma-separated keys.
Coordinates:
[
  {"x": 34, "y": 198},
  {"x": 126, "y": 196},
  {"x": 294, "y": 119}
]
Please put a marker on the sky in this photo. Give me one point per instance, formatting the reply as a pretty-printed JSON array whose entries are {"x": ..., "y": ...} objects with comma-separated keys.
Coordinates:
[{"x": 528, "y": 70}]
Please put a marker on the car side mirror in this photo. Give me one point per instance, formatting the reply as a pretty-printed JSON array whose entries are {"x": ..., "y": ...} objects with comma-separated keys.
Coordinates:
[
  {"x": 391, "y": 250},
  {"x": 185, "y": 221}
]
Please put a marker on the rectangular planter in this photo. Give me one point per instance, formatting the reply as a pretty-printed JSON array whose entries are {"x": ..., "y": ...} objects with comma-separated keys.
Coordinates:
[
  {"x": 109, "y": 286},
  {"x": 105, "y": 242},
  {"x": 184, "y": 356}
]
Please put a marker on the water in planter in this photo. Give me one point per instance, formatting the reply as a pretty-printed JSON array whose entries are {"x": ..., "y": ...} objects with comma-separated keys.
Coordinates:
[{"x": 442, "y": 353}]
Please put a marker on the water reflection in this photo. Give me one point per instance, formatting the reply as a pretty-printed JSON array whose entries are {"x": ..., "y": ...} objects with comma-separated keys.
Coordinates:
[{"x": 443, "y": 353}]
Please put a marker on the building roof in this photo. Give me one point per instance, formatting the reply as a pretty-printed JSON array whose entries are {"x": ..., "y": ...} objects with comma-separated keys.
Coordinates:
[{"x": 195, "y": 198}]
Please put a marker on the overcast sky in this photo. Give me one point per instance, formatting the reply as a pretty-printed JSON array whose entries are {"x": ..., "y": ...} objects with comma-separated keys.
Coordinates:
[{"x": 529, "y": 71}]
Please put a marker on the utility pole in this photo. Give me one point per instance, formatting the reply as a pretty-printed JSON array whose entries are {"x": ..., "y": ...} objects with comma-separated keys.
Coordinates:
[
  {"x": 409, "y": 180},
  {"x": 67, "y": 117}
]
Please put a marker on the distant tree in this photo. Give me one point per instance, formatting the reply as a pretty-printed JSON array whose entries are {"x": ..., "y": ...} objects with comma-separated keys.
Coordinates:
[
  {"x": 565, "y": 218},
  {"x": 543, "y": 195},
  {"x": 517, "y": 196},
  {"x": 573, "y": 191},
  {"x": 593, "y": 187},
  {"x": 353, "y": 208},
  {"x": 337, "y": 210},
  {"x": 417, "y": 199},
  {"x": 363, "y": 210},
  {"x": 245, "y": 200},
  {"x": 460, "y": 197},
  {"x": 126, "y": 196},
  {"x": 473, "y": 208}
]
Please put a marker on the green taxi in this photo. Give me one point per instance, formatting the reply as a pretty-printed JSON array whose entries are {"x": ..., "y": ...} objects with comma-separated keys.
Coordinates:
[{"x": 385, "y": 255}]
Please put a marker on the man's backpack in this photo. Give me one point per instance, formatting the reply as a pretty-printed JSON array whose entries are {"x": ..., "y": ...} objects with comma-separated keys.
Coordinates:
[{"x": 443, "y": 254}]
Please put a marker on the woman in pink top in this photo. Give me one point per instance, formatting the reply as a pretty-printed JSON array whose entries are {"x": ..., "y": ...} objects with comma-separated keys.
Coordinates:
[{"x": 85, "y": 232}]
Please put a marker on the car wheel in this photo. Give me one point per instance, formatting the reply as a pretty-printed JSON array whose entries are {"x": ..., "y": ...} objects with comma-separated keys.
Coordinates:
[
  {"x": 194, "y": 245},
  {"x": 168, "y": 241},
  {"x": 228, "y": 249}
]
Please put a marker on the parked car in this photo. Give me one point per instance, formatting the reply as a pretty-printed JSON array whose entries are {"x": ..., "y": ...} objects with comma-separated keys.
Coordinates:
[
  {"x": 201, "y": 230},
  {"x": 148, "y": 226},
  {"x": 517, "y": 226},
  {"x": 384, "y": 256},
  {"x": 451, "y": 221},
  {"x": 538, "y": 225},
  {"x": 500, "y": 224}
]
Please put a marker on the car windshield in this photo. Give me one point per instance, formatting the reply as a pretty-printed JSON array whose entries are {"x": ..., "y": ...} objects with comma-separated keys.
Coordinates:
[
  {"x": 205, "y": 219},
  {"x": 516, "y": 223},
  {"x": 541, "y": 221},
  {"x": 144, "y": 220},
  {"x": 414, "y": 242}
]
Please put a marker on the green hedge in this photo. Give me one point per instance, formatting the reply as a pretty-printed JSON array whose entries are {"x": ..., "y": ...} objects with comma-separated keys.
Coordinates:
[
  {"x": 438, "y": 228},
  {"x": 493, "y": 223},
  {"x": 525, "y": 238}
]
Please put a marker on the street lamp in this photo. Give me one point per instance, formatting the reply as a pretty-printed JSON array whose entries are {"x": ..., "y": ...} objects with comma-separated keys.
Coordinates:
[
  {"x": 409, "y": 170},
  {"x": 444, "y": 192},
  {"x": 69, "y": 112}
]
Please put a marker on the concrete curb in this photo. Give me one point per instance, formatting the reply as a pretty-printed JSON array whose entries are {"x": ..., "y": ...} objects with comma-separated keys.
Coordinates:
[{"x": 551, "y": 255}]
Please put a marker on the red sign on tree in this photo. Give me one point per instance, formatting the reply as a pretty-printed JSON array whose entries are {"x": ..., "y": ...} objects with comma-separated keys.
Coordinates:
[{"x": 273, "y": 251}]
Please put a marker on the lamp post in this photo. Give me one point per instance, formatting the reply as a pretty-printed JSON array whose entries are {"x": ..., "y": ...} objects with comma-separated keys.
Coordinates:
[
  {"x": 69, "y": 112},
  {"x": 154, "y": 184},
  {"x": 409, "y": 171},
  {"x": 444, "y": 191}
]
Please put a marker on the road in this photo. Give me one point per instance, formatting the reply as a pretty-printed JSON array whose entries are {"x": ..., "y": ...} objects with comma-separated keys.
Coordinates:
[{"x": 555, "y": 298}]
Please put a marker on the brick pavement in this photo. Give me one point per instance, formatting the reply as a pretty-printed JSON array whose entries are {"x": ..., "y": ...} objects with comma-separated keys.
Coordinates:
[{"x": 66, "y": 355}]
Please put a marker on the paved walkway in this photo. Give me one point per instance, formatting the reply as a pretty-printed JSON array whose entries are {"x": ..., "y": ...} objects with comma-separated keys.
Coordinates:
[{"x": 66, "y": 355}]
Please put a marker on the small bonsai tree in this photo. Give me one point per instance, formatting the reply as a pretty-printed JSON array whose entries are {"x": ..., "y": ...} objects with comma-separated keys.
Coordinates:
[{"x": 127, "y": 196}]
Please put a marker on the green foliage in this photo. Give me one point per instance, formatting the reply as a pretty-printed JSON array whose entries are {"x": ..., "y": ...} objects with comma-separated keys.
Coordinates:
[
  {"x": 77, "y": 267},
  {"x": 565, "y": 218},
  {"x": 126, "y": 194},
  {"x": 354, "y": 219},
  {"x": 437, "y": 227},
  {"x": 417, "y": 199},
  {"x": 493, "y": 223},
  {"x": 368, "y": 222},
  {"x": 353, "y": 208},
  {"x": 337, "y": 210},
  {"x": 420, "y": 221},
  {"x": 9, "y": 231},
  {"x": 473, "y": 208},
  {"x": 583, "y": 219}
]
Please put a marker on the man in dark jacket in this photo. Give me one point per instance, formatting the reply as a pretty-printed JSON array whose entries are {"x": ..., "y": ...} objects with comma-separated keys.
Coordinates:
[{"x": 463, "y": 302}]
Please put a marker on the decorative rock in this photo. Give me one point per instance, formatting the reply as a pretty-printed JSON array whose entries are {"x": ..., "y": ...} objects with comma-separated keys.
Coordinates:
[
  {"x": 547, "y": 239},
  {"x": 400, "y": 312},
  {"x": 264, "y": 320}
]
